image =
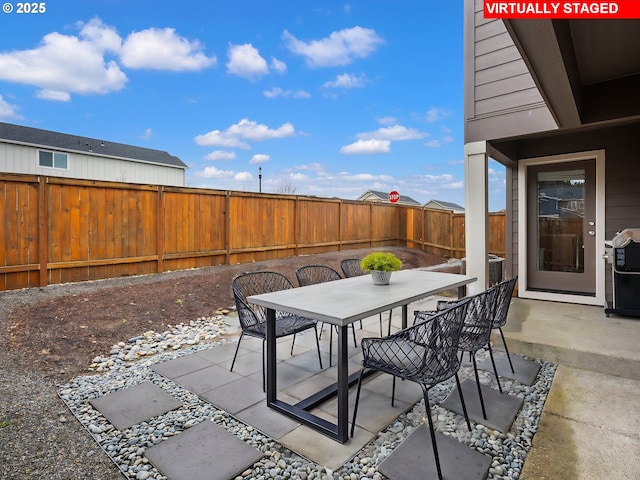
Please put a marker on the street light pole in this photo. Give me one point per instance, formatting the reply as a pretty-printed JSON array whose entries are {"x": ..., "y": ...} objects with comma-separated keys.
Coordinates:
[{"x": 260, "y": 179}]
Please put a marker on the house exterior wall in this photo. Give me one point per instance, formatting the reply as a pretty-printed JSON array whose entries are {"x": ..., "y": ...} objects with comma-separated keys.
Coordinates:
[
  {"x": 24, "y": 159},
  {"x": 622, "y": 180},
  {"x": 501, "y": 98}
]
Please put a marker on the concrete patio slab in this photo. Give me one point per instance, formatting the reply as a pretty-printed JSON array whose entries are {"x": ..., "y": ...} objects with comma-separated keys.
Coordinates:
[
  {"x": 134, "y": 405},
  {"x": 222, "y": 353},
  {"x": 414, "y": 459},
  {"x": 268, "y": 421},
  {"x": 589, "y": 429},
  {"x": 501, "y": 408},
  {"x": 323, "y": 450},
  {"x": 181, "y": 366},
  {"x": 206, "y": 379},
  {"x": 236, "y": 396},
  {"x": 204, "y": 452},
  {"x": 525, "y": 371}
]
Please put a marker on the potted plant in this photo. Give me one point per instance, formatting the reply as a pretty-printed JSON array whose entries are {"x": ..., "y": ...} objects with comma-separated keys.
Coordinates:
[{"x": 381, "y": 265}]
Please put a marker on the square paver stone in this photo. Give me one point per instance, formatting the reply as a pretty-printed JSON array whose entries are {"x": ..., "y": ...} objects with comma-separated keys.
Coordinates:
[
  {"x": 203, "y": 452},
  {"x": 525, "y": 371},
  {"x": 414, "y": 459},
  {"x": 501, "y": 408},
  {"x": 134, "y": 405}
]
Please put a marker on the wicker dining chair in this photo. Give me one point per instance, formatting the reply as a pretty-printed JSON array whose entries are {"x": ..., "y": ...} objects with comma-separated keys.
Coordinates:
[
  {"x": 351, "y": 268},
  {"x": 503, "y": 301},
  {"x": 312, "y": 274},
  {"x": 426, "y": 353},
  {"x": 476, "y": 330},
  {"x": 253, "y": 318}
]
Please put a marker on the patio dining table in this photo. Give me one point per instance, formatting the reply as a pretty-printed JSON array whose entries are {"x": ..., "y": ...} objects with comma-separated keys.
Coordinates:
[{"x": 341, "y": 303}]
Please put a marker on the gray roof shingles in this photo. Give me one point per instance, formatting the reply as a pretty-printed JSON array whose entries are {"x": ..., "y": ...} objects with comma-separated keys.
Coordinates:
[{"x": 65, "y": 142}]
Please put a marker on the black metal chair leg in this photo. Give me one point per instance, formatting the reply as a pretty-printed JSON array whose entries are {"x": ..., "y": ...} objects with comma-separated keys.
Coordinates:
[
  {"x": 432, "y": 431},
  {"x": 464, "y": 405},
  {"x": 506, "y": 349},
  {"x": 293, "y": 342},
  {"x": 318, "y": 345},
  {"x": 495, "y": 369},
  {"x": 393, "y": 392},
  {"x": 475, "y": 371},
  {"x": 355, "y": 407},
  {"x": 233, "y": 362}
]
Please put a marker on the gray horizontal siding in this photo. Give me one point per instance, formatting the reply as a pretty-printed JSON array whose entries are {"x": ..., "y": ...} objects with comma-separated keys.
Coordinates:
[{"x": 498, "y": 84}]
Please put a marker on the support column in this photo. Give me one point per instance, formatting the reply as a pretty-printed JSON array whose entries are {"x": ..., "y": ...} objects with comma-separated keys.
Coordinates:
[{"x": 476, "y": 214}]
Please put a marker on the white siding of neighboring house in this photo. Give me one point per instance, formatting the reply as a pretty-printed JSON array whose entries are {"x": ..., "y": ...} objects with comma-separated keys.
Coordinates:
[{"x": 24, "y": 159}]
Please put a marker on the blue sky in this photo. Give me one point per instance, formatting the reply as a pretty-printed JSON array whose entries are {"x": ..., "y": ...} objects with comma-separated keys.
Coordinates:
[{"x": 329, "y": 98}]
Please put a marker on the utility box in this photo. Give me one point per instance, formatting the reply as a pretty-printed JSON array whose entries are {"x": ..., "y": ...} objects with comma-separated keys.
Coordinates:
[
  {"x": 626, "y": 273},
  {"x": 496, "y": 269}
]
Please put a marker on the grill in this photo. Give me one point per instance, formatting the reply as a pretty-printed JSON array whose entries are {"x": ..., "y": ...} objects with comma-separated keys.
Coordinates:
[{"x": 626, "y": 273}]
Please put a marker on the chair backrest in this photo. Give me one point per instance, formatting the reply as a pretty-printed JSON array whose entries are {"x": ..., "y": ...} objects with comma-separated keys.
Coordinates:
[
  {"x": 255, "y": 283},
  {"x": 312, "y": 274},
  {"x": 504, "y": 292},
  {"x": 440, "y": 336},
  {"x": 351, "y": 267}
]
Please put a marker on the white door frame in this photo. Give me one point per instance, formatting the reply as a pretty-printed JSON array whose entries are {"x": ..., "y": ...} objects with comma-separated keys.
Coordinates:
[{"x": 523, "y": 224}]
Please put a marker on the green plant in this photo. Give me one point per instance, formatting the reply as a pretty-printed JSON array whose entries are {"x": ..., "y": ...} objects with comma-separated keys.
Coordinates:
[{"x": 384, "y": 261}]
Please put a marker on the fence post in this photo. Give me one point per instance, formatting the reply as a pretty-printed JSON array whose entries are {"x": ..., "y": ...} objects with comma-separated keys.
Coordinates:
[
  {"x": 43, "y": 231},
  {"x": 227, "y": 229},
  {"x": 160, "y": 230}
]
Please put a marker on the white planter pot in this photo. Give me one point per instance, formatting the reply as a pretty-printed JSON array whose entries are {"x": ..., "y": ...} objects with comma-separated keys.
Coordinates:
[{"x": 380, "y": 278}]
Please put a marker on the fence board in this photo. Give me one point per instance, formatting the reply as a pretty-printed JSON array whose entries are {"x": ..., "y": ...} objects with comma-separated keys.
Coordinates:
[{"x": 57, "y": 230}]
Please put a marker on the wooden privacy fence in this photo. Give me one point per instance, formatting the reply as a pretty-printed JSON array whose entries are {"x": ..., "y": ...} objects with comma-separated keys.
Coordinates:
[{"x": 57, "y": 230}]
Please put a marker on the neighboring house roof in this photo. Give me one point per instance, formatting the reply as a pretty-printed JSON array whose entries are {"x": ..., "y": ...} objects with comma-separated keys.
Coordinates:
[
  {"x": 73, "y": 143},
  {"x": 377, "y": 196},
  {"x": 444, "y": 205}
]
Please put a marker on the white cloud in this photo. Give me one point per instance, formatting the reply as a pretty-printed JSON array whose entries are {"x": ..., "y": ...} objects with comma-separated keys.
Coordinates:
[
  {"x": 220, "y": 155},
  {"x": 8, "y": 111},
  {"x": 148, "y": 133},
  {"x": 245, "y": 61},
  {"x": 104, "y": 37},
  {"x": 362, "y": 147},
  {"x": 259, "y": 158},
  {"x": 346, "y": 80},
  {"x": 163, "y": 49},
  {"x": 314, "y": 166},
  {"x": 258, "y": 132},
  {"x": 434, "y": 114},
  {"x": 278, "y": 66},
  {"x": 433, "y": 143},
  {"x": 366, "y": 177},
  {"x": 213, "y": 172},
  {"x": 387, "y": 120},
  {"x": 66, "y": 64},
  {"x": 395, "y": 132},
  {"x": 245, "y": 129},
  {"x": 243, "y": 176},
  {"x": 339, "y": 48},
  {"x": 279, "y": 92},
  {"x": 217, "y": 138},
  {"x": 47, "y": 94}
]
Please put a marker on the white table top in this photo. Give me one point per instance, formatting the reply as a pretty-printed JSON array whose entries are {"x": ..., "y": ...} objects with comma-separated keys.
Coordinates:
[{"x": 345, "y": 301}]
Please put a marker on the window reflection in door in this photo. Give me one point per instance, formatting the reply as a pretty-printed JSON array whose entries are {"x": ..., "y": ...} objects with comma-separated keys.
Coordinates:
[{"x": 561, "y": 220}]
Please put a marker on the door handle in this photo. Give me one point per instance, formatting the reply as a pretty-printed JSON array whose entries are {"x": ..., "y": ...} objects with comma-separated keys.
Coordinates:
[{"x": 592, "y": 233}]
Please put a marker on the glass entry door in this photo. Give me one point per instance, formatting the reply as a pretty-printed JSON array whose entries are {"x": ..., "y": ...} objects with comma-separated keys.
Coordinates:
[{"x": 561, "y": 227}]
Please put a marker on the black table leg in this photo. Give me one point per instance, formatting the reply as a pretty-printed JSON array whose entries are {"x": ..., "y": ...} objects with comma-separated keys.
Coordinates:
[{"x": 271, "y": 356}]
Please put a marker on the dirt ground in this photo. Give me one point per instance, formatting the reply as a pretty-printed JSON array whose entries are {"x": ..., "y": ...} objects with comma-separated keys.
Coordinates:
[{"x": 59, "y": 329}]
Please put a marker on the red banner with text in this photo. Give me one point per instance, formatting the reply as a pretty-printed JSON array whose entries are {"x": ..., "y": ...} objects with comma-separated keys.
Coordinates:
[{"x": 562, "y": 9}]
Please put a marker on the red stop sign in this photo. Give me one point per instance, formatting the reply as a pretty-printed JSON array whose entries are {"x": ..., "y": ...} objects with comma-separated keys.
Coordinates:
[{"x": 394, "y": 196}]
